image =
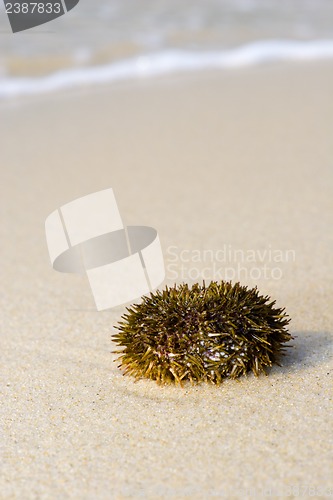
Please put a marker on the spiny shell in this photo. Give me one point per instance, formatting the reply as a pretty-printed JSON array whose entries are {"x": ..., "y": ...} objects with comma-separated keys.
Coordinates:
[{"x": 202, "y": 333}]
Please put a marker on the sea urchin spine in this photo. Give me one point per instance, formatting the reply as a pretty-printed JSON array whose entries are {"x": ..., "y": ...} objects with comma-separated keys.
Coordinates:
[{"x": 202, "y": 333}]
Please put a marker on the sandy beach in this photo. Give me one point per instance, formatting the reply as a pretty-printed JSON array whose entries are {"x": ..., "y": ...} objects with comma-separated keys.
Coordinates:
[{"x": 241, "y": 158}]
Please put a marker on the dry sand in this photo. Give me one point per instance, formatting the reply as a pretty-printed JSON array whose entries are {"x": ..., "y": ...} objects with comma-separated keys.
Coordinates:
[{"x": 243, "y": 158}]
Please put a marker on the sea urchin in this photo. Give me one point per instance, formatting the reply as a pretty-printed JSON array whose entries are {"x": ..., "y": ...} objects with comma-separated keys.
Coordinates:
[{"x": 202, "y": 333}]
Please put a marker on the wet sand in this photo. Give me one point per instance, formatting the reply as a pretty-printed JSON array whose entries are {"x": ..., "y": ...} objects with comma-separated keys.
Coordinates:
[{"x": 240, "y": 158}]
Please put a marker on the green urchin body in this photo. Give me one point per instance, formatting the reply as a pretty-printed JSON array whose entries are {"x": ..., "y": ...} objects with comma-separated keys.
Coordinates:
[{"x": 203, "y": 333}]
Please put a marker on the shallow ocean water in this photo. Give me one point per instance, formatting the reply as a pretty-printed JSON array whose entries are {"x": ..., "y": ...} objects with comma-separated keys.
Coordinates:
[{"x": 156, "y": 36}]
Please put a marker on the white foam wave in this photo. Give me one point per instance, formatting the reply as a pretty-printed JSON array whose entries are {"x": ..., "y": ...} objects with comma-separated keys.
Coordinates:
[{"x": 170, "y": 61}]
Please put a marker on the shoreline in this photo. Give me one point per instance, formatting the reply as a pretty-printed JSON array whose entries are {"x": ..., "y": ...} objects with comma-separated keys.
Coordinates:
[
  {"x": 178, "y": 78},
  {"x": 167, "y": 63}
]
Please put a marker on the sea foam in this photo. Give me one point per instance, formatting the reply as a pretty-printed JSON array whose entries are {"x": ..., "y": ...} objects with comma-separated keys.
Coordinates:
[{"x": 169, "y": 61}]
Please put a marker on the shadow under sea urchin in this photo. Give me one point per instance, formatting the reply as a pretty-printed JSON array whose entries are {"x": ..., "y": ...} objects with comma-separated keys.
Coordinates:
[{"x": 202, "y": 333}]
